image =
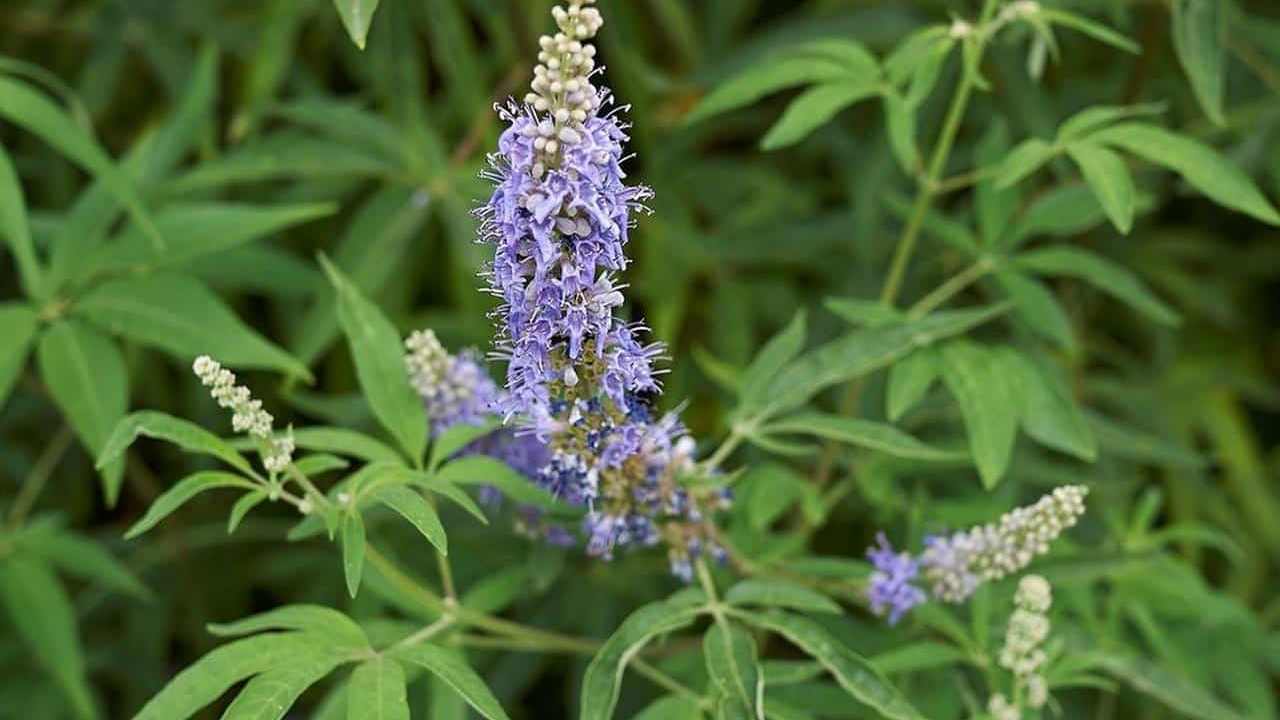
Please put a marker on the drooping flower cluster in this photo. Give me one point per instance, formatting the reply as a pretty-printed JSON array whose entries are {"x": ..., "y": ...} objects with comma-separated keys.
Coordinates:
[
  {"x": 955, "y": 565},
  {"x": 1022, "y": 653},
  {"x": 248, "y": 416},
  {"x": 578, "y": 377}
]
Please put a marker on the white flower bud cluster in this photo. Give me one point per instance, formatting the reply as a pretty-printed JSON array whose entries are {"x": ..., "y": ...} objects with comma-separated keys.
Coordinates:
[
  {"x": 1019, "y": 9},
  {"x": 956, "y": 565},
  {"x": 248, "y": 415},
  {"x": 561, "y": 87},
  {"x": 1028, "y": 629},
  {"x": 427, "y": 361},
  {"x": 1001, "y": 709}
]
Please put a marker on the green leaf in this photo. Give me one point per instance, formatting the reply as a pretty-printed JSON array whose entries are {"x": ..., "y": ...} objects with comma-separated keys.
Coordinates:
[
  {"x": 863, "y": 351},
  {"x": 1064, "y": 211},
  {"x": 453, "y": 670},
  {"x": 1038, "y": 307},
  {"x": 16, "y": 230},
  {"x": 1049, "y": 413},
  {"x": 773, "y": 489},
  {"x": 994, "y": 203},
  {"x": 18, "y": 327},
  {"x": 918, "y": 656},
  {"x": 854, "y": 673},
  {"x": 1200, "y": 39},
  {"x": 1109, "y": 179},
  {"x": 379, "y": 474},
  {"x": 814, "y": 108},
  {"x": 734, "y": 665},
  {"x": 1026, "y": 158},
  {"x": 43, "y": 616},
  {"x": 900, "y": 122},
  {"x": 86, "y": 376},
  {"x": 179, "y": 494},
  {"x": 789, "y": 672},
  {"x": 498, "y": 591},
  {"x": 1172, "y": 690},
  {"x": 456, "y": 438},
  {"x": 243, "y": 506},
  {"x": 86, "y": 559},
  {"x": 340, "y": 631},
  {"x": 205, "y": 228},
  {"x": 414, "y": 508},
  {"x": 973, "y": 377},
  {"x": 319, "y": 464},
  {"x": 270, "y": 695},
  {"x": 1093, "y": 118},
  {"x": 353, "y": 542},
  {"x": 860, "y": 433},
  {"x": 1198, "y": 164},
  {"x": 482, "y": 470},
  {"x": 344, "y": 442},
  {"x": 671, "y": 707},
  {"x": 602, "y": 683},
  {"x": 36, "y": 114},
  {"x": 186, "y": 435},
  {"x": 1103, "y": 274},
  {"x": 212, "y": 675},
  {"x": 780, "y": 350},
  {"x": 802, "y": 65},
  {"x": 356, "y": 17},
  {"x": 379, "y": 357},
  {"x": 863, "y": 313},
  {"x": 780, "y": 593},
  {"x": 909, "y": 381},
  {"x": 181, "y": 316},
  {"x": 376, "y": 691},
  {"x": 1090, "y": 28}
]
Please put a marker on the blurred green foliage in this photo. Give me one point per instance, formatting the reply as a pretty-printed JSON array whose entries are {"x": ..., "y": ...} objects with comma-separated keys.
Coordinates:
[{"x": 182, "y": 164}]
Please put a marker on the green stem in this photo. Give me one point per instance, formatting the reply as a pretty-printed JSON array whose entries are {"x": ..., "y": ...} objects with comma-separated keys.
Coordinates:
[
  {"x": 39, "y": 477},
  {"x": 950, "y": 288},
  {"x": 929, "y": 185},
  {"x": 425, "y": 633},
  {"x": 726, "y": 448}
]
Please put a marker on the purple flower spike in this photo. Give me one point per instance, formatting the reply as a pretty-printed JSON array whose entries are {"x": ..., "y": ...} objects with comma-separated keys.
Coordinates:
[{"x": 891, "y": 591}]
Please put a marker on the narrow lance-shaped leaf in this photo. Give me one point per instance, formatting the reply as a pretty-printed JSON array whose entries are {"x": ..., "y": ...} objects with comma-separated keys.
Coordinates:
[
  {"x": 1102, "y": 273},
  {"x": 454, "y": 671},
  {"x": 972, "y": 375},
  {"x": 1200, "y": 39},
  {"x": 18, "y": 327},
  {"x": 340, "y": 630},
  {"x": 1109, "y": 179},
  {"x": 414, "y": 508},
  {"x": 38, "y": 115},
  {"x": 860, "y": 433},
  {"x": 780, "y": 593},
  {"x": 185, "y": 434},
  {"x": 854, "y": 673},
  {"x": 181, "y": 316},
  {"x": 1210, "y": 173},
  {"x": 376, "y": 349},
  {"x": 86, "y": 376},
  {"x": 780, "y": 350},
  {"x": 353, "y": 546},
  {"x": 212, "y": 675},
  {"x": 733, "y": 664},
  {"x": 176, "y": 496},
  {"x": 83, "y": 558},
  {"x": 17, "y": 231},
  {"x": 43, "y": 616},
  {"x": 270, "y": 695},
  {"x": 814, "y": 108},
  {"x": 376, "y": 691},
  {"x": 356, "y": 16}
]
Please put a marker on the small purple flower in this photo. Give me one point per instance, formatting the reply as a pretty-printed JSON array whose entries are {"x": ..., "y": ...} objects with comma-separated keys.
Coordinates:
[{"x": 891, "y": 591}]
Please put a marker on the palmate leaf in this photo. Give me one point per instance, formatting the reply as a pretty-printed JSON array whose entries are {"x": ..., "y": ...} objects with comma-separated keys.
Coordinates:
[
  {"x": 453, "y": 670},
  {"x": 181, "y": 316},
  {"x": 43, "y": 616},
  {"x": 85, "y": 373},
  {"x": 379, "y": 358},
  {"x": 854, "y": 673}
]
